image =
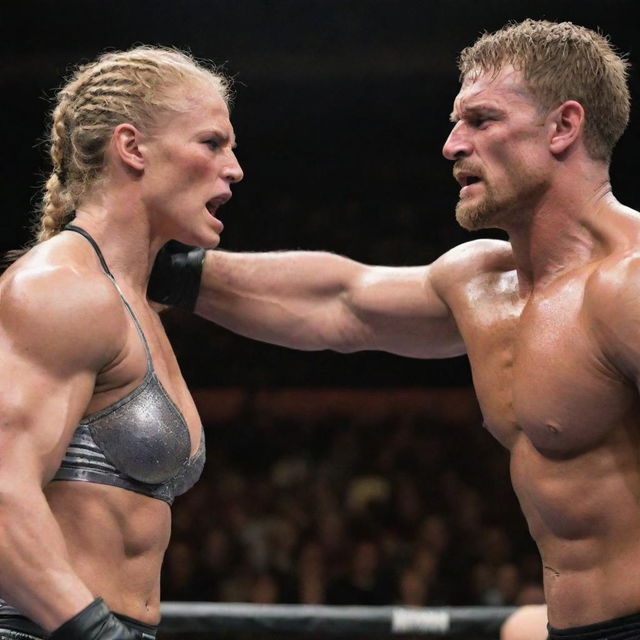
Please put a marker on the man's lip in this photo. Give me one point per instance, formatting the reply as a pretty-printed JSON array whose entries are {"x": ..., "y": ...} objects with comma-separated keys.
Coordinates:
[{"x": 463, "y": 177}]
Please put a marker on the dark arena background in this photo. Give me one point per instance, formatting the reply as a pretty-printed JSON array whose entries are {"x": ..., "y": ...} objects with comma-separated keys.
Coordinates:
[{"x": 361, "y": 479}]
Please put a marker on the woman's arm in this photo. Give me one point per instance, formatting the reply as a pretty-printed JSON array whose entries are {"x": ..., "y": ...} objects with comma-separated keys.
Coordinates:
[{"x": 51, "y": 348}]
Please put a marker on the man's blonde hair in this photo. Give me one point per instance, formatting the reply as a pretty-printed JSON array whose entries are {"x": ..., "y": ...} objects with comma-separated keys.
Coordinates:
[{"x": 562, "y": 61}]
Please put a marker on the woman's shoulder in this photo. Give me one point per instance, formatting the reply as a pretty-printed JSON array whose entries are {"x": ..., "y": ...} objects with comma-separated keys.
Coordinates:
[
  {"x": 55, "y": 272},
  {"x": 56, "y": 298}
]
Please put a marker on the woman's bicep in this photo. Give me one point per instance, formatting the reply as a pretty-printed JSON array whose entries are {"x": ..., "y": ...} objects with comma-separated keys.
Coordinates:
[
  {"x": 40, "y": 407},
  {"x": 51, "y": 349}
]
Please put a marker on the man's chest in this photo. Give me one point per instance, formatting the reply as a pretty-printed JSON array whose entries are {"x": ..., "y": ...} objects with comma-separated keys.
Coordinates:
[{"x": 537, "y": 367}]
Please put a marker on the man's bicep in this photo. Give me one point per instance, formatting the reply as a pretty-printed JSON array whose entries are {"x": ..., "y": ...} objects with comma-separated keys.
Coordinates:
[
  {"x": 399, "y": 311},
  {"x": 409, "y": 310},
  {"x": 318, "y": 300}
]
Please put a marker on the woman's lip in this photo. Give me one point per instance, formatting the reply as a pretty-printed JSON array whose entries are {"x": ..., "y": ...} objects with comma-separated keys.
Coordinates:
[
  {"x": 220, "y": 199},
  {"x": 212, "y": 210},
  {"x": 217, "y": 223}
]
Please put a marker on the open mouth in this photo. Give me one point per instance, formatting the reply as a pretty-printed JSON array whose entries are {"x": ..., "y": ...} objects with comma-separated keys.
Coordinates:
[
  {"x": 466, "y": 179},
  {"x": 215, "y": 203}
]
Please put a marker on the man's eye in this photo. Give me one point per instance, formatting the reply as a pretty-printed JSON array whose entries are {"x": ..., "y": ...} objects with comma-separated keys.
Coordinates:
[
  {"x": 213, "y": 143},
  {"x": 480, "y": 122}
]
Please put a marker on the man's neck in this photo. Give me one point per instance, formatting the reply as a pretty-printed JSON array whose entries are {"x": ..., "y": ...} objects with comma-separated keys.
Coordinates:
[{"x": 560, "y": 234}]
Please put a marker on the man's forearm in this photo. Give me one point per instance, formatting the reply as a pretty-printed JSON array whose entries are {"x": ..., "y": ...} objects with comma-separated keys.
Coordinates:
[{"x": 290, "y": 298}]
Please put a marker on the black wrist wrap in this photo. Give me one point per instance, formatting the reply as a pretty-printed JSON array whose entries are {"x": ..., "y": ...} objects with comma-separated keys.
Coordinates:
[
  {"x": 175, "y": 277},
  {"x": 94, "y": 622}
]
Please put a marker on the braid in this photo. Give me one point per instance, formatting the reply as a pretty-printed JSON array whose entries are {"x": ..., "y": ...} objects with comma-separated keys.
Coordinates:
[
  {"x": 57, "y": 203},
  {"x": 132, "y": 86},
  {"x": 125, "y": 86}
]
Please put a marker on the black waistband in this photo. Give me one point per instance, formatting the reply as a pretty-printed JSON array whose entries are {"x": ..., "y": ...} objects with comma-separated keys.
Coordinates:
[
  {"x": 148, "y": 631},
  {"x": 625, "y": 628}
]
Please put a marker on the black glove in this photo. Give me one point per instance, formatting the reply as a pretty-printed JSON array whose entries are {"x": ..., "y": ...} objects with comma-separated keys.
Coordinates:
[
  {"x": 176, "y": 273},
  {"x": 95, "y": 622}
]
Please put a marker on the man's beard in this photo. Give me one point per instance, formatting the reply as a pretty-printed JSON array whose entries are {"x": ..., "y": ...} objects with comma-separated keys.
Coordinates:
[
  {"x": 497, "y": 212},
  {"x": 485, "y": 213}
]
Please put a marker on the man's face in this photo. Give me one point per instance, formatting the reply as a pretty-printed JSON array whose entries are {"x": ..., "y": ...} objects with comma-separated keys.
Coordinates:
[{"x": 498, "y": 144}]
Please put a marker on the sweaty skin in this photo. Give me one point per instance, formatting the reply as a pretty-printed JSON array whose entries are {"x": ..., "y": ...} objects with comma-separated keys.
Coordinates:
[
  {"x": 69, "y": 348},
  {"x": 549, "y": 321},
  {"x": 547, "y": 375},
  {"x": 111, "y": 540},
  {"x": 551, "y": 393}
]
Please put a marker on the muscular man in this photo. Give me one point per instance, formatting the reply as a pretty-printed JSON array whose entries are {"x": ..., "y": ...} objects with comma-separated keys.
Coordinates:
[{"x": 549, "y": 319}]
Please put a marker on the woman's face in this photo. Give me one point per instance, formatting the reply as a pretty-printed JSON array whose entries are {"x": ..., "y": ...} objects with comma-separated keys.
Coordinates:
[{"x": 190, "y": 167}]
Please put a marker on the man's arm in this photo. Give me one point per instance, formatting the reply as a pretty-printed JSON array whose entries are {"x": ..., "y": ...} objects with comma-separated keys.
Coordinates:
[
  {"x": 612, "y": 314},
  {"x": 315, "y": 300},
  {"x": 51, "y": 347},
  {"x": 526, "y": 623}
]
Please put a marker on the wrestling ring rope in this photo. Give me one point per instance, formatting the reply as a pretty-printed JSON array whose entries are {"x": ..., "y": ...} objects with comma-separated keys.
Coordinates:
[{"x": 329, "y": 621}]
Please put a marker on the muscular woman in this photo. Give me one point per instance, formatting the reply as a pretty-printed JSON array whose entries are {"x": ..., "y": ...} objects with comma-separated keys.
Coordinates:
[{"x": 98, "y": 432}]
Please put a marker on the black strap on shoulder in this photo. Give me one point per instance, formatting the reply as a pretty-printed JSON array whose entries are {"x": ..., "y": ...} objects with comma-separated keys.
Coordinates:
[{"x": 94, "y": 244}]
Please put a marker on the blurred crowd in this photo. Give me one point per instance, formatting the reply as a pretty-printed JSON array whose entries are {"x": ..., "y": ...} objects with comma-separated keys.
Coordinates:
[{"x": 347, "y": 506}]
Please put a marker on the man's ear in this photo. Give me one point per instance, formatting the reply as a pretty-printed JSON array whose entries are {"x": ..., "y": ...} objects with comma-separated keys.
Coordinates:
[
  {"x": 568, "y": 125},
  {"x": 126, "y": 143}
]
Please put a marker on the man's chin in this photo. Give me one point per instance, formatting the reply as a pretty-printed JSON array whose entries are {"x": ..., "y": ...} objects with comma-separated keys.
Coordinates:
[{"x": 471, "y": 218}]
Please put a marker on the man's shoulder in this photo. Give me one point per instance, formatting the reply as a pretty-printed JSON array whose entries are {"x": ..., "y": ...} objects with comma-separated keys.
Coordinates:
[
  {"x": 476, "y": 258},
  {"x": 611, "y": 307},
  {"x": 616, "y": 279},
  {"x": 617, "y": 272},
  {"x": 474, "y": 269}
]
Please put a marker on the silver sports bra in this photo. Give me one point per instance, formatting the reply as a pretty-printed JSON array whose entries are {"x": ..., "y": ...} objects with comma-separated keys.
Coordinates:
[{"x": 140, "y": 443}]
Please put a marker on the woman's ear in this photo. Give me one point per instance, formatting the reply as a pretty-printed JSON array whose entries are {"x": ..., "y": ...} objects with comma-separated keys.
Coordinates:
[{"x": 126, "y": 142}]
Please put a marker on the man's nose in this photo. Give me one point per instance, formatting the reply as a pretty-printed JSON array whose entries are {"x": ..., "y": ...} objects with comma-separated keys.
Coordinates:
[{"x": 457, "y": 144}]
